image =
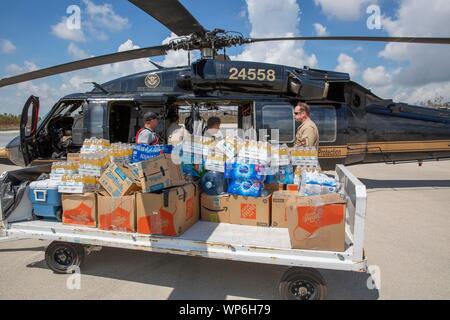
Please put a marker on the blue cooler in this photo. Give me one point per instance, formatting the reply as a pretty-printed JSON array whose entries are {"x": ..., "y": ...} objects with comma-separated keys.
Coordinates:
[{"x": 45, "y": 199}]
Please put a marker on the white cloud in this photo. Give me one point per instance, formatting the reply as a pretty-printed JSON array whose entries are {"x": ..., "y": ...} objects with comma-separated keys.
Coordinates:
[
  {"x": 427, "y": 63},
  {"x": 101, "y": 19},
  {"x": 78, "y": 81},
  {"x": 344, "y": 10},
  {"x": 175, "y": 58},
  {"x": 62, "y": 31},
  {"x": 321, "y": 30},
  {"x": 284, "y": 21},
  {"x": 76, "y": 53},
  {"x": 14, "y": 69},
  {"x": 13, "y": 98},
  {"x": 424, "y": 93},
  {"x": 6, "y": 46},
  {"x": 104, "y": 16},
  {"x": 347, "y": 64},
  {"x": 97, "y": 21},
  {"x": 425, "y": 71},
  {"x": 377, "y": 77}
]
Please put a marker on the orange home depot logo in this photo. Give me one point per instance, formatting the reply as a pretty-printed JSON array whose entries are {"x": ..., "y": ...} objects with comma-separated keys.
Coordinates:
[
  {"x": 160, "y": 222},
  {"x": 189, "y": 208},
  {"x": 248, "y": 211},
  {"x": 119, "y": 219},
  {"x": 79, "y": 215},
  {"x": 313, "y": 218}
]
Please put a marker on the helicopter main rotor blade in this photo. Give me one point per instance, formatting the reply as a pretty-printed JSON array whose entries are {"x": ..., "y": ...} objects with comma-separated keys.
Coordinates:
[
  {"x": 373, "y": 39},
  {"x": 87, "y": 63},
  {"x": 172, "y": 14}
]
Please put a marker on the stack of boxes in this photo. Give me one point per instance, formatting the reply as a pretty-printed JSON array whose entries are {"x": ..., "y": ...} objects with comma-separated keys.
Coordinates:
[
  {"x": 314, "y": 221},
  {"x": 143, "y": 189}
]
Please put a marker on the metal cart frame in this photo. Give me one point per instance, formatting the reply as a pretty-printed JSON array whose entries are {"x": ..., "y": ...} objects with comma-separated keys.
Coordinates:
[{"x": 222, "y": 241}]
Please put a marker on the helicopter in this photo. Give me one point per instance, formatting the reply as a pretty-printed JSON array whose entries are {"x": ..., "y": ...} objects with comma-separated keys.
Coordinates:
[{"x": 355, "y": 125}]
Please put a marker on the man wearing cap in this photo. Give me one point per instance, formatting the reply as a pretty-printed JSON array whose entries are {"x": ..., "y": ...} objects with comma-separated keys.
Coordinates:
[{"x": 147, "y": 135}]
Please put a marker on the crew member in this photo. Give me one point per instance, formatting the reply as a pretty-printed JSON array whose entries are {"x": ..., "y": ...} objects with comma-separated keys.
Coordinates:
[
  {"x": 175, "y": 133},
  {"x": 307, "y": 133},
  {"x": 147, "y": 135},
  {"x": 213, "y": 128}
]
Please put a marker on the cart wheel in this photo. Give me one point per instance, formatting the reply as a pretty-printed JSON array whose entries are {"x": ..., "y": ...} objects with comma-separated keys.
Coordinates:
[
  {"x": 302, "y": 284},
  {"x": 62, "y": 256}
]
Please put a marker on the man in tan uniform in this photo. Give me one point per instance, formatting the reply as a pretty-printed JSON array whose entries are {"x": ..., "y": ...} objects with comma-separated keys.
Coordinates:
[{"x": 307, "y": 134}]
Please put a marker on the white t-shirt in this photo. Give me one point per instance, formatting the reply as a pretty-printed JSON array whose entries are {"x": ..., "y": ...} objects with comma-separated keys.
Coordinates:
[{"x": 176, "y": 134}]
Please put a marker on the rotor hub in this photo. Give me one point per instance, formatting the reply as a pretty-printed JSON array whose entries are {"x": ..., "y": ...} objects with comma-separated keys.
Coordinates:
[{"x": 208, "y": 42}]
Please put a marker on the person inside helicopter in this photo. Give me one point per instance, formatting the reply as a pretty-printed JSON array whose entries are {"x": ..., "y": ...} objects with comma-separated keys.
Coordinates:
[
  {"x": 176, "y": 133},
  {"x": 212, "y": 128}
]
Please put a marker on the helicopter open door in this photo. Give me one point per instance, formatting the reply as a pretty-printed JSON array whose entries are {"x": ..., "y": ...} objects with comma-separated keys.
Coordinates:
[{"x": 28, "y": 129}]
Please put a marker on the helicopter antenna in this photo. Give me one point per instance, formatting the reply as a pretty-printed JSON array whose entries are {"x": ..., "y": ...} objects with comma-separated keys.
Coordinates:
[
  {"x": 99, "y": 87},
  {"x": 159, "y": 67}
]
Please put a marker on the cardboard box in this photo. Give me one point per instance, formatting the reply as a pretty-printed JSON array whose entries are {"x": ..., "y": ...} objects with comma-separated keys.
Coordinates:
[
  {"x": 215, "y": 208},
  {"x": 118, "y": 214},
  {"x": 317, "y": 222},
  {"x": 118, "y": 180},
  {"x": 250, "y": 211},
  {"x": 159, "y": 173},
  {"x": 272, "y": 187},
  {"x": 80, "y": 209},
  {"x": 73, "y": 157},
  {"x": 280, "y": 207},
  {"x": 168, "y": 213}
]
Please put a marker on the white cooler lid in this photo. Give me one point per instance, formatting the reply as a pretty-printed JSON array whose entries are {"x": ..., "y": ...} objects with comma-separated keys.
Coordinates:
[{"x": 45, "y": 184}]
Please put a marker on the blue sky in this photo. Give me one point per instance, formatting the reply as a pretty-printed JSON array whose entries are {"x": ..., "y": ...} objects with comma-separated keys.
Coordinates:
[{"x": 32, "y": 36}]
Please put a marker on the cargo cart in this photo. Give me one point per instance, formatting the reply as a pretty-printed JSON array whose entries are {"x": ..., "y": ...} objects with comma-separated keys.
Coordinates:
[{"x": 218, "y": 241}]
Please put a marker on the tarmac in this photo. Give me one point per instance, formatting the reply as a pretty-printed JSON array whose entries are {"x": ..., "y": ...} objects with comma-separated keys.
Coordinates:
[{"x": 407, "y": 240}]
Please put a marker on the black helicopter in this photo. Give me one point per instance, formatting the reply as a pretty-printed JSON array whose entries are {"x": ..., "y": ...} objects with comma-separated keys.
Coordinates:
[{"x": 355, "y": 125}]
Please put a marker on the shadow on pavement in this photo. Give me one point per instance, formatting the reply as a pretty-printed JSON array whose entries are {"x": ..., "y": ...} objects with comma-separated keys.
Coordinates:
[
  {"x": 194, "y": 278},
  {"x": 376, "y": 184},
  {"x": 23, "y": 249}
]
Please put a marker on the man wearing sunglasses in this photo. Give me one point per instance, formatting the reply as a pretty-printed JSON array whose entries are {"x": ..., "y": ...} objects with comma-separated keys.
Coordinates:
[{"x": 307, "y": 133}]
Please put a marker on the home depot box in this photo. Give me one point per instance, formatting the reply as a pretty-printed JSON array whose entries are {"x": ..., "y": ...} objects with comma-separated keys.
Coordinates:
[
  {"x": 280, "y": 206},
  {"x": 215, "y": 208},
  {"x": 116, "y": 214},
  {"x": 317, "y": 222},
  {"x": 80, "y": 209},
  {"x": 118, "y": 180},
  {"x": 250, "y": 211},
  {"x": 168, "y": 213},
  {"x": 159, "y": 173}
]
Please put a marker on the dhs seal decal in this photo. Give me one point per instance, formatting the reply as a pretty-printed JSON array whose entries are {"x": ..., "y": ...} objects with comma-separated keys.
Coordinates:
[{"x": 152, "y": 80}]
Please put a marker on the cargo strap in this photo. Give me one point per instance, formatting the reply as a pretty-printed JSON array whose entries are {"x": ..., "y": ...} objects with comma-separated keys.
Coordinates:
[
  {"x": 166, "y": 198},
  {"x": 184, "y": 194}
]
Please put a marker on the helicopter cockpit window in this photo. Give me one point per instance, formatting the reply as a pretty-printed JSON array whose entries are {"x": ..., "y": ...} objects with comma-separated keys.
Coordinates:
[
  {"x": 325, "y": 119},
  {"x": 281, "y": 118}
]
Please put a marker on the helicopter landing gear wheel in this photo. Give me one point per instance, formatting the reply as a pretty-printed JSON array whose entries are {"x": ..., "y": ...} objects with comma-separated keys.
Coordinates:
[
  {"x": 64, "y": 257},
  {"x": 302, "y": 284}
]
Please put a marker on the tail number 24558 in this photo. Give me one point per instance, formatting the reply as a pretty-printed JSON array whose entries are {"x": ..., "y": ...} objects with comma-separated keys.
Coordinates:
[{"x": 252, "y": 74}]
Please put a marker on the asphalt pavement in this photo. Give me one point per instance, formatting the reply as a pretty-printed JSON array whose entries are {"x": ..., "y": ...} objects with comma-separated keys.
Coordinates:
[{"x": 407, "y": 244}]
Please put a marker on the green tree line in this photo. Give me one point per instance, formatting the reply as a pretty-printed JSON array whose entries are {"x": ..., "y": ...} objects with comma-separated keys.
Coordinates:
[{"x": 9, "y": 121}]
